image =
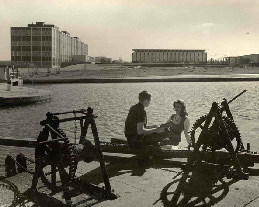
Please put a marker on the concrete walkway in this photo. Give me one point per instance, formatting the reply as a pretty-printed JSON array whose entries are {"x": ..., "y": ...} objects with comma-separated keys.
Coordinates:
[{"x": 137, "y": 184}]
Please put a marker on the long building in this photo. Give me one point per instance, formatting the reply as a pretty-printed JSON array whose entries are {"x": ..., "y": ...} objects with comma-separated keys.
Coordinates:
[
  {"x": 43, "y": 45},
  {"x": 168, "y": 56},
  {"x": 252, "y": 59}
]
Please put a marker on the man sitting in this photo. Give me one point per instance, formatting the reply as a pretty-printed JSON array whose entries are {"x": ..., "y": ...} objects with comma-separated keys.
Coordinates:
[{"x": 136, "y": 130}]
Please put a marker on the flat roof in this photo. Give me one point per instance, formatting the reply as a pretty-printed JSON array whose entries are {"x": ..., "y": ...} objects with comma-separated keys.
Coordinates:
[
  {"x": 240, "y": 56},
  {"x": 169, "y": 49},
  {"x": 36, "y": 25}
]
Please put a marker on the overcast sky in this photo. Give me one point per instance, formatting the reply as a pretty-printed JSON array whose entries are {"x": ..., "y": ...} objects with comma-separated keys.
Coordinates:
[{"x": 114, "y": 27}]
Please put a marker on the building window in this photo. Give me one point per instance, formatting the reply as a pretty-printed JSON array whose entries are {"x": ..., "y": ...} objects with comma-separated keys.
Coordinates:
[
  {"x": 46, "y": 58},
  {"x": 17, "y": 38},
  {"x": 46, "y": 38},
  {"x": 36, "y": 38},
  {"x": 26, "y": 48},
  {"x": 17, "y": 58},
  {"x": 16, "y": 48},
  {"x": 36, "y": 48},
  {"x": 26, "y": 38},
  {"x": 36, "y": 58},
  {"x": 36, "y": 29},
  {"x": 46, "y": 48},
  {"x": 26, "y": 58}
]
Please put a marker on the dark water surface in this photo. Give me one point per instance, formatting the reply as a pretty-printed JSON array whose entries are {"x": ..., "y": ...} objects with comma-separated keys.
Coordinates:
[{"x": 112, "y": 101}]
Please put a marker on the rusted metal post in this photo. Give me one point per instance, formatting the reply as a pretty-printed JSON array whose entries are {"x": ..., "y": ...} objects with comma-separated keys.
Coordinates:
[
  {"x": 100, "y": 155},
  {"x": 225, "y": 107},
  {"x": 230, "y": 147},
  {"x": 8, "y": 79},
  {"x": 248, "y": 147},
  {"x": 206, "y": 126},
  {"x": 84, "y": 127}
]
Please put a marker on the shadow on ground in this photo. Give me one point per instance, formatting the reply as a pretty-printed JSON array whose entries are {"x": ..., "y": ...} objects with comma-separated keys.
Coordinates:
[
  {"x": 46, "y": 199},
  {"x": 205, "y": 185},
  {"x": 135, "y": 166}
]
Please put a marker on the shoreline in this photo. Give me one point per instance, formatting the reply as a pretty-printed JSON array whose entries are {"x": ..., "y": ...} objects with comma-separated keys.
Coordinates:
[
  {"x": 121, "y": 74},
  {"x": 220, "y": 78}
]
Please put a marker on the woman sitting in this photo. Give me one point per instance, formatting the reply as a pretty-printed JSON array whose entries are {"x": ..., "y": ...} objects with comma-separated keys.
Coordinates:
[{"x": 178, "y": 123}]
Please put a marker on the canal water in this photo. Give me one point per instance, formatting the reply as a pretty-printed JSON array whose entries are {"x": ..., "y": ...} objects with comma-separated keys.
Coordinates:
[{"x": 111, "y": 103}]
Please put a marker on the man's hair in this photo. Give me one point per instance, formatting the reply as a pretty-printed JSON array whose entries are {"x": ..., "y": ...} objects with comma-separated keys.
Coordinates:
[{"x": 144, "y": 95}]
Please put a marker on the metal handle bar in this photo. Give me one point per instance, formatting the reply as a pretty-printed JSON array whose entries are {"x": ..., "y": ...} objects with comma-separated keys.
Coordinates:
[
  {"x": 53, "y": 140},
  {"x": 82, "y": 111},
  {"x": 77, "y": 118},
  {"x": 237, "y": 96}
]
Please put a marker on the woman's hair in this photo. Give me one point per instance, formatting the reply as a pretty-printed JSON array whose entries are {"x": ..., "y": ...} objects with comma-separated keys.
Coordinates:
[{"x": 184, "y": 112}]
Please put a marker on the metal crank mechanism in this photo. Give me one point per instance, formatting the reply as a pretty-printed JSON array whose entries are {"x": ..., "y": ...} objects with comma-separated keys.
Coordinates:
[
  {"x": 219, "y": 132},
  {"x": 210, "y": 133},
  {"x": 57, "y": 154}
]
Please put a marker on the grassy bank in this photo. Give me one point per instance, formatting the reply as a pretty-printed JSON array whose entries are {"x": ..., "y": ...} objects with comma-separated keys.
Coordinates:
[{"x": 82, "y": 71}]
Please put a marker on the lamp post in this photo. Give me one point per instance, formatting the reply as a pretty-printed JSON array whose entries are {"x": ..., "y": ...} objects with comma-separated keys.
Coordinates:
[{"x": 8, "y": 79}]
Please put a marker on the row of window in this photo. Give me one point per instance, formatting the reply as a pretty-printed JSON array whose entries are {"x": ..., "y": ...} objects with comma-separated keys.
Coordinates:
[
  {"x": 172, "y": 61},
  {"x": 29, "y": 48},
  {"x": 167, "y": 56},
  {"x": 32, "y": 28},
  {"x": 168, "y": 51},
  {"x": 41, "y": 49},
  {"x": 29, "y": 38},
  {"x": 34, "y": 53},
  {"x": 29, "y": 58},
  {"x": 173, "y": 55},
  {"x": 29, "y": 43},
  {"x": 37, "y": 58},
  {"x": 29, "y": 33},
  {"x": 167, "y": 60},
  {"x": 46, "y": 39}
]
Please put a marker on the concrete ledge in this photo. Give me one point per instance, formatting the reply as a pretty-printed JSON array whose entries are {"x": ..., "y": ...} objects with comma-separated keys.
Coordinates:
[
  {"x": 139, "y": 80},
  {"x": 22, "y": 95}
]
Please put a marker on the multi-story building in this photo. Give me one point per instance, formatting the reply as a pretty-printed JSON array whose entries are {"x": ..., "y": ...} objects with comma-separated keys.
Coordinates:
[
  {"x": 252, "y": 59},
  {"x": 43, "y": 45},
  {"x": 168, "y": 56}
]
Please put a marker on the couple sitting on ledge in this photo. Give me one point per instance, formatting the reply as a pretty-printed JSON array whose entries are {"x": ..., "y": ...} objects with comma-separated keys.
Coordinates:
[{"x": 138, "y": 134}]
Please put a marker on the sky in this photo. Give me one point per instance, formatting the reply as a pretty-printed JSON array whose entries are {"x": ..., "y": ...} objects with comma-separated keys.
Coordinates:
[{"x": 112, "y": 28}]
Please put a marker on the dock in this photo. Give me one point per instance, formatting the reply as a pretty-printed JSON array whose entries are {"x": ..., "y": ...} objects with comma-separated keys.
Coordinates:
[{"x": 22, "y": 95}]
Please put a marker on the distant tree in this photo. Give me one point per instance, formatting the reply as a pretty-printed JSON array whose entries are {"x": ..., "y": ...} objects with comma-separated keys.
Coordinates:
[{"x": 120, "y": 60}]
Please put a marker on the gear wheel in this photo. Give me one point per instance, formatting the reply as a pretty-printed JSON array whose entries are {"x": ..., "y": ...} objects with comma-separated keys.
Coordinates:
[
  {"x": 45, "y": 153},
  {"x": 214, "y": 138}
]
